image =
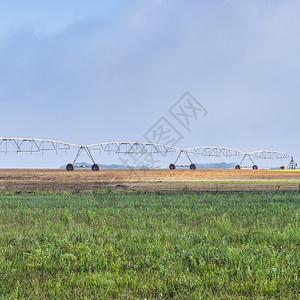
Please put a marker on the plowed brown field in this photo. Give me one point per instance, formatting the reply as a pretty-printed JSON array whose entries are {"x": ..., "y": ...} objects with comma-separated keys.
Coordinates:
[{"x": 149, "y": 180}]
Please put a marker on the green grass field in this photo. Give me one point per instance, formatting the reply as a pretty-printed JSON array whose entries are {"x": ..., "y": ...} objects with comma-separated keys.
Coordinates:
[{"x": 138, "y": 246}]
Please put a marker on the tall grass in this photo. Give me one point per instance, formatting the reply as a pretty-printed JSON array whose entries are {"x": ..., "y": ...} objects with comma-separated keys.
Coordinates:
[{"x": 149, "y": 246}]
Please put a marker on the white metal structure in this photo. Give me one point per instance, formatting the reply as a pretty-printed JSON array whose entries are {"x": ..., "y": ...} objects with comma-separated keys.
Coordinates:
[
  {"x": 214, "y": 151},
  {"x": 123, "y": 148},
  {"x": 31, "y": 145},
  {"x": 266, "y": 154},
  {"x": 131, "y": 147},
  {"x": 263, "y": 154},
  {"x": 207, "y": 152}
]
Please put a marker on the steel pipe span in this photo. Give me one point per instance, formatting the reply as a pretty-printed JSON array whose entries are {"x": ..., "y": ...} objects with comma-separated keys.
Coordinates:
[
  {"x": 214, "y": 151},
  {"x": 132, "y": 147},
  {"x": 32, "y": 145},
  {"x": 266, "y": 154}
]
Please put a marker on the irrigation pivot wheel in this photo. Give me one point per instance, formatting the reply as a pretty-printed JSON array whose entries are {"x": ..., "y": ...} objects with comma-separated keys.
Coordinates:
[
  {"x": 237, "y": 167},
  {"x": 95, "y": 167},
  {"x": 193, "y": 167},
  {"x": 70, "y": 167},
  {"x": 255, "y": 167},
  {"x": 172, "y": 167}
]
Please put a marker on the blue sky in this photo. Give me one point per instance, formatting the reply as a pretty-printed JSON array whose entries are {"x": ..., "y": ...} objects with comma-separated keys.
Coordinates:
[{"x": 92, "y": 71}]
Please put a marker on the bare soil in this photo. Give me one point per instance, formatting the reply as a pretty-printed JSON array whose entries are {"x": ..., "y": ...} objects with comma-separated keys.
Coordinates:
[{"x": 19, "y": 180}]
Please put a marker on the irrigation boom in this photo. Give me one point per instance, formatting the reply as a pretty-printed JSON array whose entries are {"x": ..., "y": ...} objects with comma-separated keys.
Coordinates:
[{"x": 32, "y": 145}]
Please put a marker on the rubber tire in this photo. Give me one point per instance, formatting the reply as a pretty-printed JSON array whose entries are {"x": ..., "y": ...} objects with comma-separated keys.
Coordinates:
[
  {"x": 255, "y": 167},
  {"x": 172, "y": 166},
  {"x": 95, "y": 167},
  {"x": 193, "y": 167},
  {"x": 237, "y": 167},
  {"x": 70, "y": 167},
  {"x": 282, "y": 168}
]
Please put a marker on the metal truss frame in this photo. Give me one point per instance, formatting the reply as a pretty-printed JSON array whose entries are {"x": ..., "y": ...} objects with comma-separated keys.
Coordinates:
[
  {"x": 132, "y": 147},
  {"x": 206, "y": 151},
  {"x": 263, "y": 154},
  {"x": 215, "y": 151},
  {"x": 266, "y": 154},
  {"x": 32, "y": 145}
]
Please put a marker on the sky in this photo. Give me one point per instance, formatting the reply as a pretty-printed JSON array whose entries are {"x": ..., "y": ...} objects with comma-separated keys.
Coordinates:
[{"x": 94, "y": 71}]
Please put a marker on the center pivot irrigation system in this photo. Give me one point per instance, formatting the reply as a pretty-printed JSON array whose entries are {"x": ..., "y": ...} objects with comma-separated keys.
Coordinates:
[{"x": 30, "y": 145}]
